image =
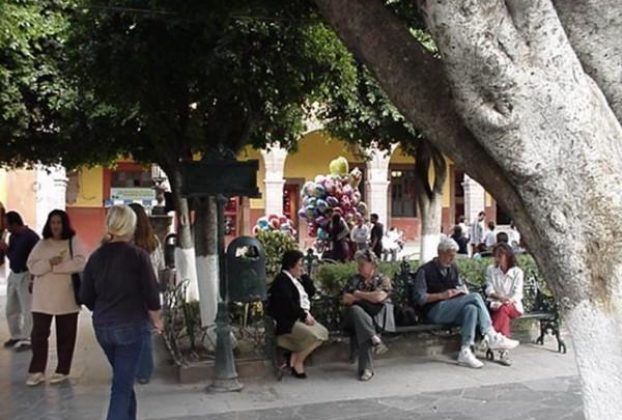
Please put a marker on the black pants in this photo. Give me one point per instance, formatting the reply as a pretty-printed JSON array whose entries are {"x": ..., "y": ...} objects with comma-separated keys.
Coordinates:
[{"x": 66, "y": 330}]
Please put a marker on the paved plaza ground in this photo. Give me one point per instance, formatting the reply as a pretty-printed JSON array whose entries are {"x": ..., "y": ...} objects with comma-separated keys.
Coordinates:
[{"x": 542, "y": 384}]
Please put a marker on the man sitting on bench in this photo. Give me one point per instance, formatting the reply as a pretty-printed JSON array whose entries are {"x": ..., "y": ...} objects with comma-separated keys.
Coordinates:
[{"x": 445, "y": 300}]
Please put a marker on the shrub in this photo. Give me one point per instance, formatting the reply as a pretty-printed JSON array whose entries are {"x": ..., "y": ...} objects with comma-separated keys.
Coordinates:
[
  {"x": 275, "y": 243},
  {"x": 332, "y": 278}
]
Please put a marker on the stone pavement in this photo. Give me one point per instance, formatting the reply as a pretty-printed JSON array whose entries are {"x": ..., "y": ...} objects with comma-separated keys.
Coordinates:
[{"x": 542, "y": 384}]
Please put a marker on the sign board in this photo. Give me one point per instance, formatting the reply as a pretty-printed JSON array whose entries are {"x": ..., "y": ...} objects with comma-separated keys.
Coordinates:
[
  {"x": 132, "y": 194},
  {"x": 144, "y": 196},
  {"x": 230, "y": 178}
]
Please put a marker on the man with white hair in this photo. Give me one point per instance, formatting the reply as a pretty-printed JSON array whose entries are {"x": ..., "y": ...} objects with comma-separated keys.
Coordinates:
[{"x": 445, "y": 300}]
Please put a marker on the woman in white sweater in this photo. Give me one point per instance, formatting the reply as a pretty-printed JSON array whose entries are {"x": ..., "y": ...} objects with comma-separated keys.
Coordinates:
[
  {"x": 504, "y": 288},
  {"x": 52, "y": 262}
]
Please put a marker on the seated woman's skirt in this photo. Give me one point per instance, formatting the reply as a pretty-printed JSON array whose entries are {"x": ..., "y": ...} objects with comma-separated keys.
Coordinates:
[{"x": 302, "y": 336}]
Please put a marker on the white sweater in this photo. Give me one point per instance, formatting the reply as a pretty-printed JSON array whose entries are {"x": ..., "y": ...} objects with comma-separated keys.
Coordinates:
[{"x": 508, "y": 285}]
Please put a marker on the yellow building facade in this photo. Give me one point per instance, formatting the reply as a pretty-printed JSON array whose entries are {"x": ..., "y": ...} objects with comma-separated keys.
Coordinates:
[{"x": 387, "y": 187}]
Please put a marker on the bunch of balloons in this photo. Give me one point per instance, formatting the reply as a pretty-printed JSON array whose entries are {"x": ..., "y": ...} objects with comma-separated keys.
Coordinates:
[
  {"x": 327, "y": 195},
  {"x": 274, "y": 223}
]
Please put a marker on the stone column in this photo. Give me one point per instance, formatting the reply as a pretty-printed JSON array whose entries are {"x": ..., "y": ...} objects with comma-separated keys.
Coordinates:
[
  {"x": 274, "y": 162},
  {"x": 474, "y": 198},
  {"x": 51, "y": 192},
  {"x": 378, "y": 182}
]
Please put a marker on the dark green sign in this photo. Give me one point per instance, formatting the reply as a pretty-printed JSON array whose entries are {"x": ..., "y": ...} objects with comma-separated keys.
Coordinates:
[{"x": 230, "y": 178}]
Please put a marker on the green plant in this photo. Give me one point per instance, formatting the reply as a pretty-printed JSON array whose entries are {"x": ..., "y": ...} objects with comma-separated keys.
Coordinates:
[{"x": 275, "y": 243}]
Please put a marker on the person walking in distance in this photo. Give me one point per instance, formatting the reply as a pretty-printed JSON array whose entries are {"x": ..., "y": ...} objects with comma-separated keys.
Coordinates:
[
  {"x": 18, "y": 298},
  {"x": 377, "y": 232},
  {"x": 477, "y": 233},
  {"x": 52, "y": 262}
]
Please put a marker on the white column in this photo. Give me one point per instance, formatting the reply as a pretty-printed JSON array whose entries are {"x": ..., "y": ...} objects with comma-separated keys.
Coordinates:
[
  {"x": 51, "y": 192},
  {"x": 378, "y": 182},
  {"x": 274, "y": 162},
  {"x": 474, "y": 198}
]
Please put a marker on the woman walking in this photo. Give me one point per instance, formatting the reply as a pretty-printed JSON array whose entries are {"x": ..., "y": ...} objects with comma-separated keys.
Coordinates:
[
  {"x": 52, "y": 262},
  {"x": 145, "y": 238},
  {"x": 120, "y": 287}
]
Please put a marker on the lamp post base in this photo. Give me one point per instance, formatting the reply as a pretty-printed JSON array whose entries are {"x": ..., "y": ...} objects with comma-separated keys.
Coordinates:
[
  {"x": 225, "y": 385},
  {"x": 225, "y": 377}
]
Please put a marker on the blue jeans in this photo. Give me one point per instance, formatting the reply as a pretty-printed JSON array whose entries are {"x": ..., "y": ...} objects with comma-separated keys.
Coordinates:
[
  {"x": 145, "y": 363},
  {"x": 122, "y": 344},
  {"x": 468, "y": 311}
]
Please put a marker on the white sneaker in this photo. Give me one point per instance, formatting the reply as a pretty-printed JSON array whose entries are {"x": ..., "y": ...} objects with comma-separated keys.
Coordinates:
[
  {"x": 35, "y": 379},
  {"x": 467, "y": 358},
  {"x": 497, "y": 341}
]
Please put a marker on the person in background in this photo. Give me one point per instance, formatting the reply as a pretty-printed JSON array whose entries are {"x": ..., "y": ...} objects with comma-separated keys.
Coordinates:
[
  {"x": 504, "y": 288},
  {"x": 145, "y": 238},
  {"x": 2, "y": 237},
  {"x": 338, "y": 233},
  {"x": 490, "y": 238},
  {"x": 290, "y": 305},
  {"x": 360, "y": 234},
  {"x": 120, "y": 287},
  {"x": 444, "y": 299},
  {"x": 477, "y": 232},
  {"x": 18, "y": 298},
  {"x": 368, "y": 312},
  {"x": 391, "y": 244},
  {"x": 464, "y": 227},
  {"x": 52, "y": 262},
  {"x": 514, "y": 236},
  {"x": 502, "y": 238},
  {"x": 377, "y": 232},
  {"x": 461, "y": 240}
]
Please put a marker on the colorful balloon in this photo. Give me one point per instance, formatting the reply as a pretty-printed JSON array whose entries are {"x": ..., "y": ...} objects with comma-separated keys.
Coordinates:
[
  {"x": 339, "y": 166},
  {"x": 332, "y": 201}
]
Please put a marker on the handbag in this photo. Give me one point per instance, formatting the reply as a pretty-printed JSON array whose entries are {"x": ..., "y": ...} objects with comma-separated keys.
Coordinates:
[
  {"x": 371, "y": 308},
  {"x": 76, "y": 279}
]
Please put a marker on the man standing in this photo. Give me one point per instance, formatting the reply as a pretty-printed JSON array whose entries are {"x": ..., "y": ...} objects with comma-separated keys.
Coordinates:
[
  {"x": 477, "y": 232},
  {"x": 377, "y": 232},
  {"x": 18, "y": 298},
  {"x": 490, "y": 239},
  {"x": 445, "y": 300},
  {"x": 360, "y": 234}
]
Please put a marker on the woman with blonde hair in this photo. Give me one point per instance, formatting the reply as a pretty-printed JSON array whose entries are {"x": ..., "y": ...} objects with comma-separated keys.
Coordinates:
[
  {"x": 145, "y": 238},
  {"x": 121, "y": 289}
]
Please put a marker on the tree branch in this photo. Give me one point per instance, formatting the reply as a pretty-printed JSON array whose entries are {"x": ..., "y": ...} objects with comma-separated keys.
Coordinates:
[
  {"x": 594, "y": 28},
  {"x": 414, "y": 81}
]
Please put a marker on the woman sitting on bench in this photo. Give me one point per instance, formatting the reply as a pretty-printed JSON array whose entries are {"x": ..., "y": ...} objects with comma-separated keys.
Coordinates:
[
  {"x": 504, "y": 289},
  {"x": 289, "y": 304}
]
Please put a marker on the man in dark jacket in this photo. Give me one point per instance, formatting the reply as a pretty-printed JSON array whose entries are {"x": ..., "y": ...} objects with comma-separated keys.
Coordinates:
[
  {"x": 377, "y": 232},
  {"x": 445, "y": 300},
  {"x": 18, "y": 297}
]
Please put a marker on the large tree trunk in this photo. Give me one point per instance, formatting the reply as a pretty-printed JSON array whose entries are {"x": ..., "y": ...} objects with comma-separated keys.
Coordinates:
[
  {"x": 429, "y": 162},
  {"x": 539, "y": 135},
  {"x": 430, "y": 215},
  {"x": 206, "y": 245},
  {"x": 185, "y": 261}
]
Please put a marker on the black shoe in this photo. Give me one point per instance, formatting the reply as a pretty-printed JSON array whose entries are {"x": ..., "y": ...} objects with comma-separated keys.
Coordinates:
[
  {"x": 298, "y": 375},
  {"x": 12, "y": 342}
]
